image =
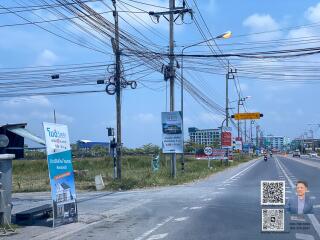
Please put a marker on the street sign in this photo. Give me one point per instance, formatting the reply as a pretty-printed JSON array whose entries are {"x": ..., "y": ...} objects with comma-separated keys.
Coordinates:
[
  {"x": 238, "y": 145},
  {"x": 208, "y": 151},
  {"x": 247, "y": 116}
]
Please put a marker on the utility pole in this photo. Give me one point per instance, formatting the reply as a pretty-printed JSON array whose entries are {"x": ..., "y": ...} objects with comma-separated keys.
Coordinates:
[
  {"x": 257, "y": 136},
  {"x": 172, "y": 77},
  {"x": 251, "y": 133},
  {"x": 54, "y": 116},
  {"x": 245, "y": 131},
  {"x": 118, "y": 88},
  {"x": 239, "y": 120},
  {"x": 170, "y": 70},
  {"x": 229, "y": 75},
  {"x": 227, "y": 96}
]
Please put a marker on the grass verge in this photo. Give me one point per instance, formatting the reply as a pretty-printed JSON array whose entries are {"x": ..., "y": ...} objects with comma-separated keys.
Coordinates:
[{"x": 32, "y": 175}]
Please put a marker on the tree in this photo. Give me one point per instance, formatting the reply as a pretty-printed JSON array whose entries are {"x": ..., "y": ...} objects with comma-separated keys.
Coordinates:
[{"x": 150, "y": 149}]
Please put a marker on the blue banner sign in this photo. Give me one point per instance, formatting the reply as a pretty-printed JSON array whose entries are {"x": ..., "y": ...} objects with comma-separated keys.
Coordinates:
[{"x": 63, "y": 191}]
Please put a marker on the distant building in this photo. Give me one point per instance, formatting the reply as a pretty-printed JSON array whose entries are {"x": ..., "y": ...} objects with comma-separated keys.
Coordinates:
[
  {"x": 276, "y": 142},
  {"x": 209, "y": 137},
  {"x": 305, "y": 145},
  {"x": 87, "y": 144}
]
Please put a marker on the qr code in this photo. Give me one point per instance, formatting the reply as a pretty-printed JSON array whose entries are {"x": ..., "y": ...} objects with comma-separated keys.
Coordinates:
[
  {"x": 272, "y": 220},
  {"x": 272, "y": 192}
]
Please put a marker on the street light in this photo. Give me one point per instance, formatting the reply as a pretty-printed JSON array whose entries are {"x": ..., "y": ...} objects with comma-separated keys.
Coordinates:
[{"x": 225, "y": 35}]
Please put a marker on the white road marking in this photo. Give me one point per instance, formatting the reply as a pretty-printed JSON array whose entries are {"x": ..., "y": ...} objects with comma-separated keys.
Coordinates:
[
  {"x": 181, "y": 219},
  {"x": 207, "y": 199},
  {"x": 304, "y": 236},
  {"x": 195, "y": 208},
  {"x": 316, "y": 206},
  {"x": 185, "y": 208},
  {"x": 221, "y": 188},
  {"x": 146, "y": 234},
  {"x": 312, "y": 218},
  {"x": 158, "y": 236},
  {"x": 241, "y": 172}
]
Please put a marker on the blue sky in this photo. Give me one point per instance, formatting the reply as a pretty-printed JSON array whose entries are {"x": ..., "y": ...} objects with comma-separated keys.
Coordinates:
[{"x": 287, "y": 108}]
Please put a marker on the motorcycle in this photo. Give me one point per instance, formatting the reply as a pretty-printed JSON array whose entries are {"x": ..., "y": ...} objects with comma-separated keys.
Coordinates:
[{"x": 265, "y": 158}]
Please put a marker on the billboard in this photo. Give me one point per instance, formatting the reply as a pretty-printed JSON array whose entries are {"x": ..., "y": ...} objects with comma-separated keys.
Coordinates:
[
  {"x": 172, "y": 132},
  {"x": 226, "y": 138},
  {"x": 63, "y": 192}
]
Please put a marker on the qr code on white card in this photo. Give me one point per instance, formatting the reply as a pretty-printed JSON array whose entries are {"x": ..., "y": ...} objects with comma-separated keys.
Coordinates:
[
  {"x": 272, "y": 192},
  {"x": 272, "y": 220}
]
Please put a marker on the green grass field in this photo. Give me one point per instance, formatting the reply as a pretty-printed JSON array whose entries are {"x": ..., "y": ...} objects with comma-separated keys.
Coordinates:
[{"x": 32, "y": 175}]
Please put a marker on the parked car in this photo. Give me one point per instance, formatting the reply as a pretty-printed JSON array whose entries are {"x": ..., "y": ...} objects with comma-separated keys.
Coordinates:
[
  {"x": 313, "y": 154},
  {"x": 296, "y": 153}
]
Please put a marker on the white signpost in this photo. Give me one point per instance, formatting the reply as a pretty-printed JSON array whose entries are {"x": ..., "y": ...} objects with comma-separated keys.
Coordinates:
[{"x": 208, "y": 153}]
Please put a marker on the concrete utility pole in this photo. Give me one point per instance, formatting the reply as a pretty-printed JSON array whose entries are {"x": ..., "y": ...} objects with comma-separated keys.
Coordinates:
[
  {"x": 229, "y": 75},
  {"x": 239, "y": 120},
  {"x": 118, "y": 88},
  {"x": 257, "y": 135},
  {"x": 227, "y": 96},
  {"x": 251, "y": 133},
  {"x": 172, "y": 77},
  {"x": 245, "y": 131},
  {"x": 173, "y": 10}
]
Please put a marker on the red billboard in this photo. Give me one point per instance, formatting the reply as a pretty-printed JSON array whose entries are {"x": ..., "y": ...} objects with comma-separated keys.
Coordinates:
[{"x": 226, "y": 139}]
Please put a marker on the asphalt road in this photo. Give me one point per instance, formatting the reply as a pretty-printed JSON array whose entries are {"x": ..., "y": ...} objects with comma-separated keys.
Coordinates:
[{"x": 224, "y": 206}]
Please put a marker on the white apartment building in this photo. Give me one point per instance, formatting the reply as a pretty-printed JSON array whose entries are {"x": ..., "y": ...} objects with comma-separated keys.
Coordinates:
[{"x": 208, "y": 137}]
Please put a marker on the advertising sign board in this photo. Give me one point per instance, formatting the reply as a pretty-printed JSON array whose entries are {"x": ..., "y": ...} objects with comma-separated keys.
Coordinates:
[
  {"x": 63, "y": 192},
  {"x": 172, "y": 132}
]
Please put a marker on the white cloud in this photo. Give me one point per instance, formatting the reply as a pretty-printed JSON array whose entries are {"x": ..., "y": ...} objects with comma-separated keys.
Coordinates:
[
  {"x": 261, "y": 23},
  {"x": 48, "y": 116},
  {"x": 209, "y": 7},
  {"x": 23, "y": 101},
  {"x": 10, "y": 118},
  {"x": 299, "y": 112},
  {"x": 145, "y": 117},
  {"x": 46, "y": 58},
  {"x": 210, "y": 118},
  {"x": 301, "y": 33},
  {"x": 313, "y": 13},
  {"x": 244, "y": 87}
]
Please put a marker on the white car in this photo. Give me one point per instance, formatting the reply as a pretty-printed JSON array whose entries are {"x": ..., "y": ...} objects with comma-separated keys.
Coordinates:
[{"x": 313, "y": 154}]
